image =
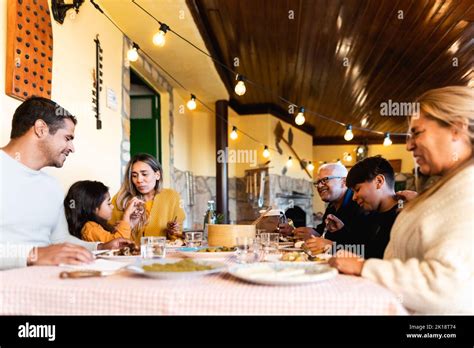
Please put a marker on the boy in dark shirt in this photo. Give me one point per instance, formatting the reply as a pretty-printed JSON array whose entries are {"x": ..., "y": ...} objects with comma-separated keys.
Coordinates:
[{"x": 373, "y": 183}]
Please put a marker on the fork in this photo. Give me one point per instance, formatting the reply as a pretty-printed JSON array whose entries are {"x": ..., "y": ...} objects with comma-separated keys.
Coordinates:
[{"x": 324, "y": 231}]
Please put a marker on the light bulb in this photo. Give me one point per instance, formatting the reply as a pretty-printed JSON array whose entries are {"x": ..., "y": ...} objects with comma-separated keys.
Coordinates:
[
  {"x": 192, "y": 102},
  {"x": 132, "y": 53},
  {"x": 360, "y": 149},
  {"x": 266, "y": 152},
  {"x": 233, "y": 134},
  {"x": 347, "y": 157},
  {"x": 364, "y": 122},
  {"x": 159, "y": 37},
  {"x": 310, "y": 166},
  {"x": 289, "y": 163},
  {"x": 299, "y": 119},
  {"x": 348, "y": 135},
  {"x": 387, "y": 141},
  {"x": 240, "y": 88}
]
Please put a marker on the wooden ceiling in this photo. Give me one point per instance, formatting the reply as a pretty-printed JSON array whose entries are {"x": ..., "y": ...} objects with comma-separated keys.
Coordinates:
[{"x": 339, "y": 58}]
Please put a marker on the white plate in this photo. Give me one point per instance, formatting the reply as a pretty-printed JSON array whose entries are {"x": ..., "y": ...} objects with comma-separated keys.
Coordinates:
[
  {"x": 129, "y": 259},
  {"x": 289, "y": 248},
  {"x": 283, "y": 273},
  {"x": 185, "y": 252},
  {"x": 137, "y": 269},
  {"x": 324, "y": 258}
]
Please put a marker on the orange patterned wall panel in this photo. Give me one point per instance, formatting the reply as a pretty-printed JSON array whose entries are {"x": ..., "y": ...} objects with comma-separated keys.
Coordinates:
[{"x": 29, "y": 66}]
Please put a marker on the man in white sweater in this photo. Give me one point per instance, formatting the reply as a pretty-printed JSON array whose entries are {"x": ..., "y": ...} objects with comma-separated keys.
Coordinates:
[{"x": 33, "y": 228}]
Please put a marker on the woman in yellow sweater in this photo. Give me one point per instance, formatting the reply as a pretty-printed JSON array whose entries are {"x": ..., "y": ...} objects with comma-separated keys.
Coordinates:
[
  {"x": 87, "y": 206},
  {"x": 161, "y": 214}
]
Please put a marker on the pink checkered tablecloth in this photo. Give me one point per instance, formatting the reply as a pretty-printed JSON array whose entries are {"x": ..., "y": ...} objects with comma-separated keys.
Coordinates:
[{"x": 40, "y": 291}]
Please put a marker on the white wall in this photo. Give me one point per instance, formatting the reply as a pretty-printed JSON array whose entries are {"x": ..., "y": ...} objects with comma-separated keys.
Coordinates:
[{"x": 97, "y": 153}]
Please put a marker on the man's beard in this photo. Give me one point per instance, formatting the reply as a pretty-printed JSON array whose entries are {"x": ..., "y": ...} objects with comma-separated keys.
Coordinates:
[{"x": 53, "y": 160}]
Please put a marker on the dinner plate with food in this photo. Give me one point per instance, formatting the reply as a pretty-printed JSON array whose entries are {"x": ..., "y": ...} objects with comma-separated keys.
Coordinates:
[
  {"x": 125, "y": 254},
  {"x": 282, "y": 273},
  {"x": 218, "y": 252},
  {"x": 297, "y": 256},
  {"x": 176, "y": 269}
]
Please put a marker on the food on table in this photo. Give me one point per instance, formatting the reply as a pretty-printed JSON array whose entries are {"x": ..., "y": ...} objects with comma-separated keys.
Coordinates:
[
  {"x": 299, "y": 244},
  {"x": 186, "y": 265},
  {"x": 175, "y": 243},
  {"x": 296, "y": 256},
  {"x": 130, "y": 250},
  {"x": 216, "y": 249}
]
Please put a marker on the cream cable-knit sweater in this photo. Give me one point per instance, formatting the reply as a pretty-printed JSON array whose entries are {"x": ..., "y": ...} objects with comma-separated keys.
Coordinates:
[{"x": 429, "y": 260}]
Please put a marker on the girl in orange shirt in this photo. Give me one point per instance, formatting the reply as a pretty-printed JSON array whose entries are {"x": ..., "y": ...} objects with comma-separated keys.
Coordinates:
[{"x": 88, "y": 208}]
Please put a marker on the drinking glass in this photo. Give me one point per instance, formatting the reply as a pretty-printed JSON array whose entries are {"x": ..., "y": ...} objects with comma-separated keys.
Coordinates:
[
  {"x": 269, "y": 243},
  {"x": 193, "y": 239},
  {"x": 247, "y": 250},
  {"x": 153, "y": 247}
]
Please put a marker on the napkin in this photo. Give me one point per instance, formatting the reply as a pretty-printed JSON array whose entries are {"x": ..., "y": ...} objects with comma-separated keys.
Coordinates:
[{"x": 105, "y": 266}]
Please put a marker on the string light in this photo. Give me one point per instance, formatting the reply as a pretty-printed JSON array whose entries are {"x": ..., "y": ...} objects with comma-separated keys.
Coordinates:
[
  {"x": 132, "y": 53},
  {"x": 233, "y": 134},
  {"x": 299, "y": 119},
  {"x": 310, "y": 166},
  {"x": 348, "y": 135},
  {"x": 266, "y": 152},
  {"x": 192, "y": 102},
  {"x": 289, "y": 163},
  {"x": 240, "y": 88},
  {"x": 347, "y": 157},
  {"x": 159, "y": 38}
]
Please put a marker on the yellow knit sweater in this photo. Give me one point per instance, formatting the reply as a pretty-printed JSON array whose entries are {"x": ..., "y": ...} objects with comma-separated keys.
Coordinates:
[{"x": 161, "y": 210}]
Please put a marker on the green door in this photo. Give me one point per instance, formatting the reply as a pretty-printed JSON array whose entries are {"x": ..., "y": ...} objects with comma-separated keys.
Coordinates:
[{"x": 145, "y": 130}]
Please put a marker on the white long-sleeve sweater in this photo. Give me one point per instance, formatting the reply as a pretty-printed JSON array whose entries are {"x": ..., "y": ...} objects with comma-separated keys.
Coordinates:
[
  {"x": 429, "y": 261},
  {"x": 31, "y": 213}
]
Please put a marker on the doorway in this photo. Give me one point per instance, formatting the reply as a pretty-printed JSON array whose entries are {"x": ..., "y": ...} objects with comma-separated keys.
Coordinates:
[{"x": 145, "y": 120}]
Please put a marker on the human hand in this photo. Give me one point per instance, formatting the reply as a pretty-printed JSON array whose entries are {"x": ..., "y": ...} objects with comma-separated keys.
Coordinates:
[
  {"x": 317, "y": 245},
  {"x": 347, "y": 263},
  {"x": 117, "y": 243},
  {"x": 333, "y": 223},
  {"x": 173, "y": 231},
  {"x": 134, "y": 209},
  {"x": 303, "y": 232},
  {"x": 285, "y": 229},
  {"x": 59, "y": 253},
  {"x": 406, "y": 195}
]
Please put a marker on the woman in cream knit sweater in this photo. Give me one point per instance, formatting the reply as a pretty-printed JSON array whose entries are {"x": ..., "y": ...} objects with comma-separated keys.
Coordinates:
[{"x": 429, "y": 260}]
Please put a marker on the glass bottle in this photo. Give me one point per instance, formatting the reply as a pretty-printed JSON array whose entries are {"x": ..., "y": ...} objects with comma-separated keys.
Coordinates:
[{"x": 210, "y": 217}]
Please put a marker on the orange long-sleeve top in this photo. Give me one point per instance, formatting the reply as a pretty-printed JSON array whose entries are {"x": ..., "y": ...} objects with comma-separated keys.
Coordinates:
[{"x": 93, "y": 232}]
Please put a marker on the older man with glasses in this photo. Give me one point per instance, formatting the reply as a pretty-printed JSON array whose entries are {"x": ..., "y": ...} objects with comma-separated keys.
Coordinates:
[{"x": 341, "y": 212}]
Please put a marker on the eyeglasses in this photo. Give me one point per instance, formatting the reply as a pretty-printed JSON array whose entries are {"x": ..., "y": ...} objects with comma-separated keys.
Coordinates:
[
  {"x": 325, "y": 180},
  {"x": 414, "y": 135}
]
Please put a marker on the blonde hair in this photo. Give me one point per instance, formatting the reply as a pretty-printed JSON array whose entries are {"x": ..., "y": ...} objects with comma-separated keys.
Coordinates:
[
  {"x": 449, "y": 107},
  {"x": 128, "y": 190}
]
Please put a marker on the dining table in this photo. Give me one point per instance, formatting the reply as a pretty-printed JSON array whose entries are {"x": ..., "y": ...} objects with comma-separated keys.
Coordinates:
[{"x": 39, "y": 290}]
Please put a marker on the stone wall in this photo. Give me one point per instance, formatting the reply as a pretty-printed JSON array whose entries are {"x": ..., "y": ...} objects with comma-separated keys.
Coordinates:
[{"x": 241, "y": 209}]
